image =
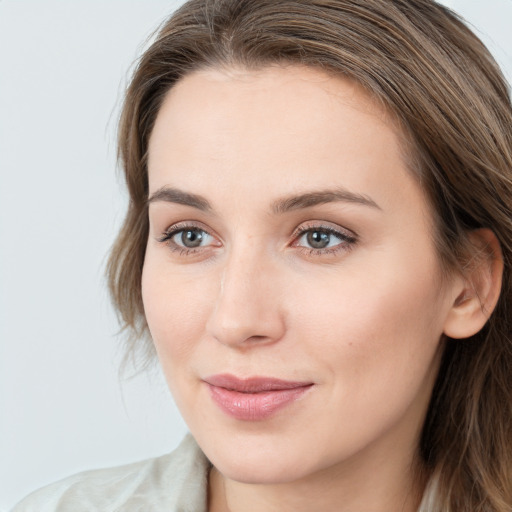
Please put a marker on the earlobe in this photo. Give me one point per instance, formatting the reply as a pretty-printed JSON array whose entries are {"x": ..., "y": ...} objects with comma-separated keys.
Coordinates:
[{"x": 479, "y": 288}]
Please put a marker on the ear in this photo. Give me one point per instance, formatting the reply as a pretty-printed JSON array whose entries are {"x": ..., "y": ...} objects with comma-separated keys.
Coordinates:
[{"x": 478, "y": 290}]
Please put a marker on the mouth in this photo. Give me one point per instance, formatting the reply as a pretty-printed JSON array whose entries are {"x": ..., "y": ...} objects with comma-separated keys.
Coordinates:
[{"x": 255, "y": 398}]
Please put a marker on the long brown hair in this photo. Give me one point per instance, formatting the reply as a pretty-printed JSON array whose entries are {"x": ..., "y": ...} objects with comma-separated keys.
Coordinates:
[{"x": 437, "y": 78}]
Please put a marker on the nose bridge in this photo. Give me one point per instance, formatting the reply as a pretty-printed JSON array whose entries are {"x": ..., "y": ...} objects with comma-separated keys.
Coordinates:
[{"x": 247, "y": 305}]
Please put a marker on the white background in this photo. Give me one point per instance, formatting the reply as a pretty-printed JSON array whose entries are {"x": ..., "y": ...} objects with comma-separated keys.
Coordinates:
[{"x": 63, "y": 66}]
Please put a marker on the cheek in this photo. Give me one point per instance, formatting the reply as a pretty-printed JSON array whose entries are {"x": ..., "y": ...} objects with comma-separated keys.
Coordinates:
[
  {"x": 176, "y": 308},
  {"x": 384, "y": 321},
  {"x": 374, "y": 339}
]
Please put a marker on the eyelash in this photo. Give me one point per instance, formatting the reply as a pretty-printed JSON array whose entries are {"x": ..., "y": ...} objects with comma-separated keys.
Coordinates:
[
  {"x": 347, "y": 239},
  {"x": 167, "y": 236}
]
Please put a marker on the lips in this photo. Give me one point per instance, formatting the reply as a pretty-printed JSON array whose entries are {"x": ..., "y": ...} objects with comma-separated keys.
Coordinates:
[{"x": 256, "y": 398}]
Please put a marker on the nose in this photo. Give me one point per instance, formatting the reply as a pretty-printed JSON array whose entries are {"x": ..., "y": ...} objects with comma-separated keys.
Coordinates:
[{"x": 249, "y": 305}]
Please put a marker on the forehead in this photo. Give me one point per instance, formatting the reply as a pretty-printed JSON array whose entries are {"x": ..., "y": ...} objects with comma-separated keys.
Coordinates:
[
  {"x": 296, "y": 127},
  {"x": 296, "y": 96}
]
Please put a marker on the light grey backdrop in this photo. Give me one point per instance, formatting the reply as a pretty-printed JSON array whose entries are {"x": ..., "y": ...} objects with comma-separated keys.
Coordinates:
[{"x": 63, "y": 66}]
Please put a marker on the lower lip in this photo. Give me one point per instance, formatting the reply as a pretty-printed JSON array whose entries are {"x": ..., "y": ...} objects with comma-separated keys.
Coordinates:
[{"x": 255, "y": 406}]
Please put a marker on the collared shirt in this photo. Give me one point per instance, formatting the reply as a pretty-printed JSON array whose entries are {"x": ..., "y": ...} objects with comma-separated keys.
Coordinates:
[{"x": 176, "y": 482}]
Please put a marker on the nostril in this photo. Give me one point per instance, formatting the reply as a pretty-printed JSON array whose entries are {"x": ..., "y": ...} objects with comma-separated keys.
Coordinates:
[{"x": 258, "y": 338}]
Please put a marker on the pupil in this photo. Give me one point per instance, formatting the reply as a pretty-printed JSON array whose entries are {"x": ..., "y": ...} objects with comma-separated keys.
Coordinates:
[
  {"x": 191, "y": 238},
  {"x": 318, "y": 240}
]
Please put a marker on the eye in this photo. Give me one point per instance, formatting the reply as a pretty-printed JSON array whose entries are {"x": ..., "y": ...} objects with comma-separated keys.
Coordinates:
[
  {"x": 323, "y": 239},
  {"x": 191, "y": 238},
  {"x": 320, "y": 239},
  {"x": 187, "y": 238}
]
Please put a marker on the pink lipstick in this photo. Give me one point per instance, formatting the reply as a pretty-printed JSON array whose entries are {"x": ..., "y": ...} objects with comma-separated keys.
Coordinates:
[{"x": 255, "y": 398}]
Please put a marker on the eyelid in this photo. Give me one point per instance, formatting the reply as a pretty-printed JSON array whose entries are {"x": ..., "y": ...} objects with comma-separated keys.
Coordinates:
[
  {"x": 174, "y": 229},
  {"x": 184, "y": 225},
  {"x": 348, "y": 238},
  {"x": 326, "y": 227}
]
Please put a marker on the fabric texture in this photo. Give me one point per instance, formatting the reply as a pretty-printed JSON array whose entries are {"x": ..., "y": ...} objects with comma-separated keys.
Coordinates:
[{"x": 176, "y": 482}]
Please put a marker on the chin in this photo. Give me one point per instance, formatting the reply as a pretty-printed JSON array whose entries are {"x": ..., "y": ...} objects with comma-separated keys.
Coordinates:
[
  {"x": 262, "y": 472},
  {"x": 260, "y": 460}
]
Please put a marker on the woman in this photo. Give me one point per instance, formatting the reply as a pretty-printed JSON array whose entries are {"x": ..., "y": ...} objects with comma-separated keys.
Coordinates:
[{"x": 318, "y": 245}]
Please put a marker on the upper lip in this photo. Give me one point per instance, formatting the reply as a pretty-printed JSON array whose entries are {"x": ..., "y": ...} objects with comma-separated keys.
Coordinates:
[{"x": 253, "y": 384}]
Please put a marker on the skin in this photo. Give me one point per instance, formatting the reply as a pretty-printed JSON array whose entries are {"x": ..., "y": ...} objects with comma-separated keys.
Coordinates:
[{"x": 362, "y": 319}]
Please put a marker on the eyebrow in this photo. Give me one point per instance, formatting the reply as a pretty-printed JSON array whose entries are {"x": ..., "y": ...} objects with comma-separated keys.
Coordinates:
[
  {"x": 310, "y": 199},
  {"x": 174, "y": 195},
  {"x": 306, "y": 200}
]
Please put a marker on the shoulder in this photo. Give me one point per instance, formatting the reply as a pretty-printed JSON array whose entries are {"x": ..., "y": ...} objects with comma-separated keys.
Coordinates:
[{"x": 173, "y": 482}]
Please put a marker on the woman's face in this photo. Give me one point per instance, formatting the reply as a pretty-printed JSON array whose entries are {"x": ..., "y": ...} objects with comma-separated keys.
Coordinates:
[{"x": 290, "y": 282}]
